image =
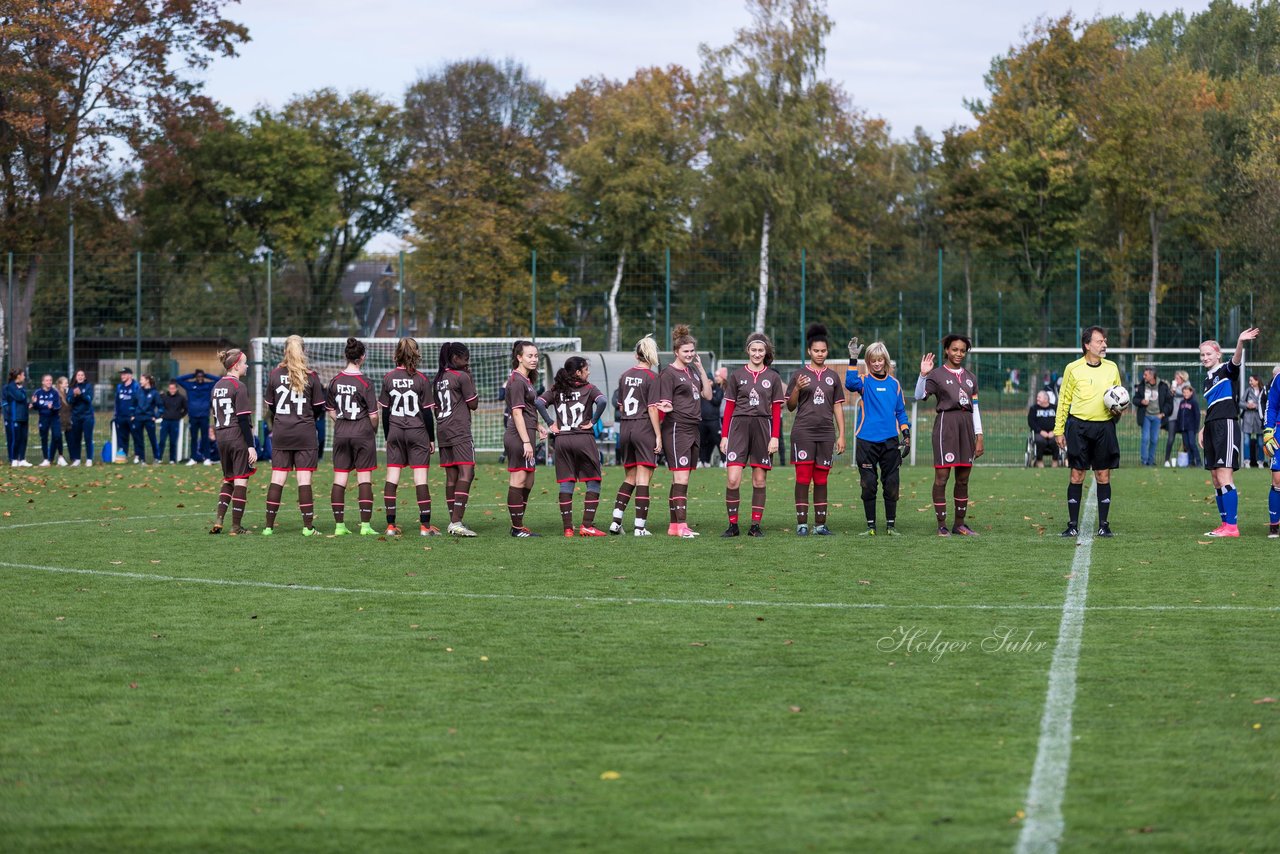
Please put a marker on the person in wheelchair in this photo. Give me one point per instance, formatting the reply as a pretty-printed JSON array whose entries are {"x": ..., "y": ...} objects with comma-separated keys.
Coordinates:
[{"x": 1041, "y": 444}]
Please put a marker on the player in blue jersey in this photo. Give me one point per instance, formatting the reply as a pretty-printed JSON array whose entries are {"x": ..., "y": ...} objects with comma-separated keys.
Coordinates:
[
  {"x": 885, "y": 435},
  {"x": 126, "y": 393},
  {"x": 16, "y": 415},
  {"x": 146, "y": 409},
  {"x": 1270, "y": 446},
  {"x": 1220, "y": 431},
  {"x": 80, "y": 397},
  {"x": 199, "y": 389},
  {"x": 48, "y": 405}
]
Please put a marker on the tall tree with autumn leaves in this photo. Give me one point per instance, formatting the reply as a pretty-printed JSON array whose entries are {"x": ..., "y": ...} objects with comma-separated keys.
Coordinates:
[{"x": 76, "y": 75}]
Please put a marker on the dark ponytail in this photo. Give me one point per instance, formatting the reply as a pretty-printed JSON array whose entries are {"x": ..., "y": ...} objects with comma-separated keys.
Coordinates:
[
  {"x": 449, "y": 351},
  {"x": 566, "y": 378},
  {"x": 354, "y": 350},
  {"x": 517, "y": 350}
]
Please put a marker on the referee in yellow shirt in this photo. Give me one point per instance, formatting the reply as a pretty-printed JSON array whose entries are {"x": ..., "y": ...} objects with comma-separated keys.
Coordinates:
[{"x": 1087, "y": 429}]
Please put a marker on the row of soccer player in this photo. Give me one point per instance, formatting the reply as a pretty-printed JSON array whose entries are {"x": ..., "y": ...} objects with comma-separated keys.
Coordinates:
[{"x": 658, "y": 410}]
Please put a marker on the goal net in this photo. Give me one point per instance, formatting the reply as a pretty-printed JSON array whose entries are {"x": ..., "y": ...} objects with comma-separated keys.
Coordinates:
[{"x": 490, "y": 367}]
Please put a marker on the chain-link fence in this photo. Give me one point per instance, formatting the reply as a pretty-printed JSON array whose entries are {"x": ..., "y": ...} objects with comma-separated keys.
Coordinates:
[{"x": 169, "y": 314}]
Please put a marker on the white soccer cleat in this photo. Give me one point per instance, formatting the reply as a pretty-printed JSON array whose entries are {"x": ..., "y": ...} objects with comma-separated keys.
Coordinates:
[
  {"x": 75, "y": 464},
  {"x": 208, "y": 462},
  {"x": 643, "y": 532},
  {"x": 191, "y": 462},
  {"x": 615, "y": 527},
  {"x": 457, "y": 529},
  {"x": 88, "y": 464},
  {"x": 62, "y": 461},
  {"x": 44, "y": 464}
]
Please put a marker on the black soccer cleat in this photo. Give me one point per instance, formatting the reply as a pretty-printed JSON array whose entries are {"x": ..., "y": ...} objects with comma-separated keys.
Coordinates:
[
  {"x": 1072, "y": 531},
  {"x": 755, "y": 531},
  {"x": 732, "y": 530},
  {"x": 1273, "y": 532},
  {"x": 1104, "y": 530}
]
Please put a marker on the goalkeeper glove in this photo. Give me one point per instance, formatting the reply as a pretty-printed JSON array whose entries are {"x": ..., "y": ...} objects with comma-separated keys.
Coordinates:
[
  {"x": 1269, "y": 443},
  {"x": 904, "y": 441},
  {"x": 854, "y": 349}
]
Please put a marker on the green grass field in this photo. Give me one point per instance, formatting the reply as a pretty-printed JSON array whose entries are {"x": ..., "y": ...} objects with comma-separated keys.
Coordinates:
[{"x": 162, "y": 690}]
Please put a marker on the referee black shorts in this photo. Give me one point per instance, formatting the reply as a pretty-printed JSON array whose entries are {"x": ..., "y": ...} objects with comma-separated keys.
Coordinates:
[{"x": 1092, "y": 444}]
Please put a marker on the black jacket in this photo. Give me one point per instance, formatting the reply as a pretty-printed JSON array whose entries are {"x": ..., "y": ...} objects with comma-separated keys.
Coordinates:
[
  {"x": 1163, "y": 395},
  {"x": 174, "y": 406}
]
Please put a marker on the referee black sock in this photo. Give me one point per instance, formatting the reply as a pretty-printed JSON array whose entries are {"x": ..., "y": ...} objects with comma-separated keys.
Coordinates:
[
  {"x": 1104, "y": 502},
  {"x": 1074, "y": 493}
]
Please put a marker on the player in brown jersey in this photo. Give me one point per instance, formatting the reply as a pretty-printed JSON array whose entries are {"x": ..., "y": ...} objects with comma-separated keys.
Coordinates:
[
  {"x": 751, "y": 429},
  {"x": 295, "y": 399},
  {"x": 405, "y": 406},
  {"x": 816, "y": 395},
  {"x": 957, "y": 430},
  {"x": 517, "y": 440},
  {"x": 682, "y": 386},
  {"x": 232, "y": 430},
  {"x": 639, "y": 436},
  {"x": 573, "y": 404},
  {"x": 354, "y": 406},
  {"x": 456, "y": 398}
]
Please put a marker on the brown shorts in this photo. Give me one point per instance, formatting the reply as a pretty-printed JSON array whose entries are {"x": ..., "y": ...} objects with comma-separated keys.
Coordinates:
[
  {"x": 954, "y": 442},
  {"x": 286, "y": 460},
  {"x": 680, "y": 444},
  {"x": 635, "y": 444},
  {"x": 576, "y": 458},
  {"x": 514, "y": 449},
  {"x": 408, "y": 448},
  {"x": 235, "y": 460},
  {"x": 354, "y": 452},
  {"x": 816, "y": 452},
  {"x": 461, "y": 454},
  {"x": 749, "y": 443}
]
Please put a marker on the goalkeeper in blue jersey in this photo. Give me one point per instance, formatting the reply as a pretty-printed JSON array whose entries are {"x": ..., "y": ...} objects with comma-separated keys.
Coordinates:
[
  {"x": 884, "y": 435},
  {"x": 1269, "y": 447}
]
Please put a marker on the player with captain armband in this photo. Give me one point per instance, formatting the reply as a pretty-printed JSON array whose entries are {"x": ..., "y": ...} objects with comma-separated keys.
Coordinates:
[
  {"x": 1220, "y": 430},
  {"x": 1086, "y": 425}
]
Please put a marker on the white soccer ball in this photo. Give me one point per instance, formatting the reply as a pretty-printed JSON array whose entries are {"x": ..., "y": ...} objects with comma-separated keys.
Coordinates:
[{"x": 1116, "y": 398}]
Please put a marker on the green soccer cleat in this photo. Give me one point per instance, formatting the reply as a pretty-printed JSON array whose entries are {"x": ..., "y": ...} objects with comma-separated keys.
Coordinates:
[
  {"x": 309, "y": 532},
  {"x": 892, "y": 532},
  {"x": 870, "y": 532},
  {"x": 268, "y": 532},
  {"x": 341, "y": 530},
  {"x": 367, "y": 530}
]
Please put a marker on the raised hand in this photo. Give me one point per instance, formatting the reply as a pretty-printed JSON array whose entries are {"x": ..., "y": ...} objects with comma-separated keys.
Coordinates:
[
  {"x": 854, "y": 348},
  {"x": 926, "y": 364}
]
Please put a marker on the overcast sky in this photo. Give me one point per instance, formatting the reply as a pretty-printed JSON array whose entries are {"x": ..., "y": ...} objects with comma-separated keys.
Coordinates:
[{"x": 913, "y": 63}]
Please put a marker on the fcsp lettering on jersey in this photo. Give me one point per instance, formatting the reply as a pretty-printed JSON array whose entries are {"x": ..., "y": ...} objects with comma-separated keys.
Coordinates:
[
  {"x": 222, "y": 392},
  {"x": 346, "y": 389},
  {"x": 401, "y": 383},
  {"x": 633, "y": 382}
]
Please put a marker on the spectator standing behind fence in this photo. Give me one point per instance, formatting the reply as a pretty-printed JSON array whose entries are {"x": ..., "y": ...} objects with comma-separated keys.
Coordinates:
[
  {"x": 709, "y": 429},
  {"x": 16, "y": 418},
  {"x": 48, "y": 407},
  {"x": 1252, "y": 408},
  {"x": 1153, "y": 403},
  {"x": 1040, "y": 418},
  {"x": 1187, "y": 424},
  {"x": 1180, "y": 380},
  {"x": 126, "y": 393},
  {"x": 64, "y": 412},
  {"x": 173, "y": 408},
  {"x": 146, "y": 410},
  {"x": 199, "y": 389},
  {"x": 80, "y": 400}
]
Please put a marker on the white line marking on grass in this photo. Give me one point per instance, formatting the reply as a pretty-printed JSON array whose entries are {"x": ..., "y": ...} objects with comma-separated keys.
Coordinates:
[
  {"x": 1044, "y": 825},
  {"x": 99, "y": 521},
  {"x": 605, "y": 600}
]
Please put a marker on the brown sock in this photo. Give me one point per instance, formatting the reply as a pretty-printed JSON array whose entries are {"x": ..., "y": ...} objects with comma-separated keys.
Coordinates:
[
  {"x": 307, "y": 506},
  {"x": 802, "y": 503},
  {"x": 460, "y": 495},
  {"x": 237, "y": 505},
  {"x": 621, "y": 500},
  {"x": 364, "y": 491},
  {"x": 590, "y": 504},
  {"x": 681, "y": 499},
  {"x": 224, "y": 500},
  {"x": 757, "y": 504},
  {"x": 642, "y": 505},
  {"x": 273, "y": 502},
  {"x": 732, "y": 501},
  {"x": 338, "y": 501},
  {"x": 940, "y": 502},
  {"x": 566, "y": 510},
  {"x": 819, "y": 504},
  {"x": 389, "y": 501},
  {"x": 423, "y": 491},
  {"x": 515, "y": 506}
]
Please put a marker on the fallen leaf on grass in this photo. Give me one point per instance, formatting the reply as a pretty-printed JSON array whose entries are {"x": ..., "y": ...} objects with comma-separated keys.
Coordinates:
[
  {"x": 133, "y": 684},
  {"x": 697, "y": 643},
  {"x": 610, "y": 775},
  {"x": 116, "y": 562},
  {"x": 411, "y": 574},
  {"x": 155, "y": 561},
  {"x": 1203, "y": 542},
  {"x": 795, "y": 710},
  {"x": 864, "y": 581},
  {"x": 1264, "y": 700},
  {"x": 787, "y": 643},
  {"x": 618, "y": 577},
  {"x": 59, "y": 619}
]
